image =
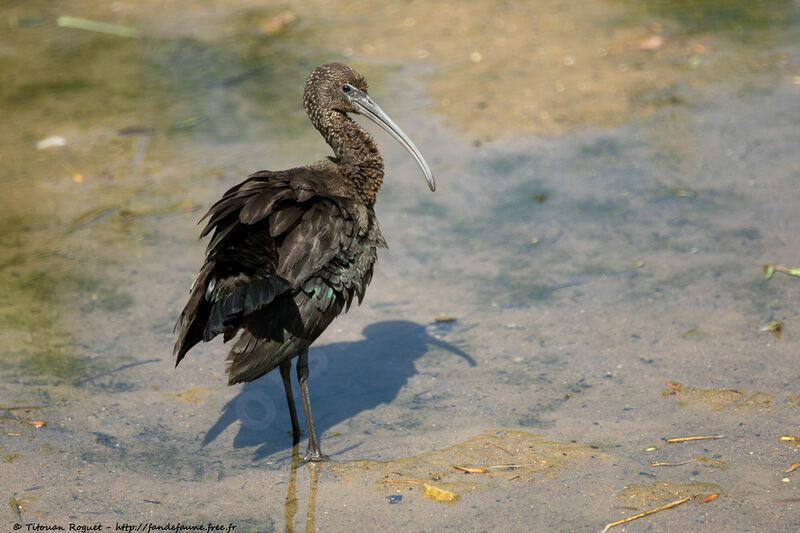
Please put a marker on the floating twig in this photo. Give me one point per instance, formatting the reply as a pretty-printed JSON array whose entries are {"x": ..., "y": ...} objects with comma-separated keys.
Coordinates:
[
  {"x": 665, "y": 463},
  {"x": 674, "y": 440},
  {"x": 506, "y": 467},
  {"x": 471, "y": 470},
  {"x": 500, "y": 448},
  {"x": 99, "y": 27},
  {"x": 646, "y": 513},
  {"x": 769, "y": 270},
  {"x": 713, "y": 462},
  {"x": 402, "y": 482},
  {"x": 9, "y": 415}
]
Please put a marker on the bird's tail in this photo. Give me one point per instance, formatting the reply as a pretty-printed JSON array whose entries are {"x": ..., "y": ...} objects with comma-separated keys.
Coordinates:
[
  {"x": 284, "y": 330},
  {"x": 251, "y": 356},
  {"x": 228, "y": 304},
  {"x": 193, "y": 318}
]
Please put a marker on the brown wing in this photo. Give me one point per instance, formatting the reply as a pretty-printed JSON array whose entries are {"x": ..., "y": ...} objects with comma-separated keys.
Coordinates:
[{"x": 270, "y": 235}]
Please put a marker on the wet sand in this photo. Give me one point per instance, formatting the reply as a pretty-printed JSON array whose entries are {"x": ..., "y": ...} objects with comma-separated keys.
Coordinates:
[{"x": 589, "y": 257}]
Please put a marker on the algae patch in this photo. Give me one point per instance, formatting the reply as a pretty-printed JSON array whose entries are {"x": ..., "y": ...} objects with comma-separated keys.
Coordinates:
[
  {"x": 793, "y": 400},
  {"x": 22, "y": 502},
  {"x": 34, "y": 311},
  {"x": 718, "y": 399},
  {"x": 484, "y": 461},
  {"x": 438, "y": 495},
  {"x": 195, "y": 395},
  {"x": 569, "y": 64}
]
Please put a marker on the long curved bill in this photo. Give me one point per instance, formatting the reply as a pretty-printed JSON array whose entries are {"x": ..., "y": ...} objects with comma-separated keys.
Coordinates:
[{"x": 367, "y": 107}]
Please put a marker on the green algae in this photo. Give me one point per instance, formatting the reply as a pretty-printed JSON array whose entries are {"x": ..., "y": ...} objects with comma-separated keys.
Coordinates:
[{"x": 65, "y": 238}]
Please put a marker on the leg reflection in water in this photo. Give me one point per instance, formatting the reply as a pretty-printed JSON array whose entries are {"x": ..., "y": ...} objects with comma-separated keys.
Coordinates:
[{"x": 290, "y": 507}]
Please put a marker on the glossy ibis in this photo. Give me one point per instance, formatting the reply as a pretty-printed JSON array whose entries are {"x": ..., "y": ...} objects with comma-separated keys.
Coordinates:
[{"x": 291, "y": 249}]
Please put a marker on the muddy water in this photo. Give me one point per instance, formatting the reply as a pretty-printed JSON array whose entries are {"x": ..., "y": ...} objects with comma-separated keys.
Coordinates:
[{"x": 612, "y": 180}]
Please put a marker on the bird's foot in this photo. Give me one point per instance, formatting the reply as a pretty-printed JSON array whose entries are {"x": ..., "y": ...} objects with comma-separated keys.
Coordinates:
[{"x": 314, "y": 456}]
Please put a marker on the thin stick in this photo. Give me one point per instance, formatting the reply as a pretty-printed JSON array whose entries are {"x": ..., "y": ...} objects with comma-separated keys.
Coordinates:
[
  {"x": 786, "y": 270},
  {"x": 648, "y": 512},
  {"x": 694, "y": 437},
  {"x": 471, "y": 470},
  {"x": 665, "y": 463},
  {"x": 692, "y": 460},
  {"x": 402, "y": 481},
  {"x": 93, "y": 25},
  {"x": 500, "y": 448}
]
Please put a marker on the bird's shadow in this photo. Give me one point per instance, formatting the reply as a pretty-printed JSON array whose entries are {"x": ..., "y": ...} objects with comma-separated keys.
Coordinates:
[{"x": 346, "y": 378}]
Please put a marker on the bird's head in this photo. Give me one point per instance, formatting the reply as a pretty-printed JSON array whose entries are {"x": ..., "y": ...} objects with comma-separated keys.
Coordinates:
[
  {"x": 339, "y": 88},
  {"x": 329, "y": 87}
]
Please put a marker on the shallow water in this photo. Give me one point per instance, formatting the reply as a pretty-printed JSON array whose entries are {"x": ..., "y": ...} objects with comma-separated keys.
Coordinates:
[{"x": 611, "y": 181}]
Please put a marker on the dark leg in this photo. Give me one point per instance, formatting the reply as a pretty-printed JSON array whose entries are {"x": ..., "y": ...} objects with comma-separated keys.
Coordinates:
[
  {"x": 313, "y": 453},
  {"x": 286, "y": 375}
]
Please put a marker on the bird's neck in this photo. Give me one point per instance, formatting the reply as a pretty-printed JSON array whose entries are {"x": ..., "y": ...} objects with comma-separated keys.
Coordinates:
[{"x": 356, "y": 153}]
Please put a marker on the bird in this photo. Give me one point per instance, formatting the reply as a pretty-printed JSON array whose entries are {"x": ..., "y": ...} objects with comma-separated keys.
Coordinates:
[{"x": 290, "y": 250}]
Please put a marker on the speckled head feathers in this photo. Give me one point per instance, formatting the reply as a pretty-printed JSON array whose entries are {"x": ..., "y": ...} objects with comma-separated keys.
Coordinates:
[{"x": 323, "y": 88}]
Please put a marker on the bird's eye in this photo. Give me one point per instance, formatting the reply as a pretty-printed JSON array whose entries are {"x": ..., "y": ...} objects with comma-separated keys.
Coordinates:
[{"x": 346, "y": 88}]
